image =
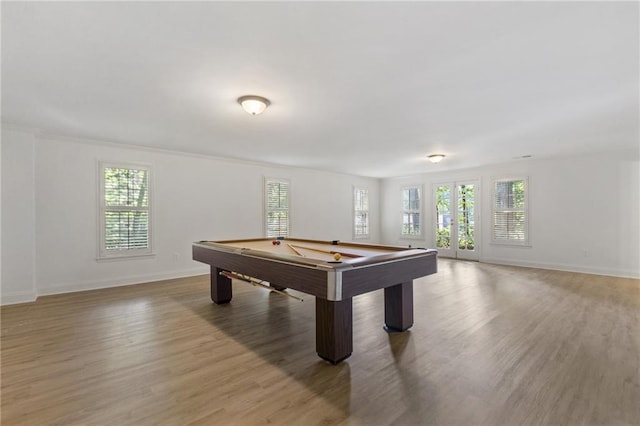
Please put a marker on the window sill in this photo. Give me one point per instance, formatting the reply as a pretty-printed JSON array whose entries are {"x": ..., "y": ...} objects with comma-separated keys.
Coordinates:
[
  {"x": 116, "y": 258},
  {"x": 516, "y": 245},
  {"x": 411, "y": 237}
]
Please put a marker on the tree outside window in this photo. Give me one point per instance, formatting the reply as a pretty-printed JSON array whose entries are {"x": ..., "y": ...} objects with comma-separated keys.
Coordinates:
[
  {"x": 510, "y": 207},
  {"x": 277, "y": 207},
  {"x": 125, "y": 211}
]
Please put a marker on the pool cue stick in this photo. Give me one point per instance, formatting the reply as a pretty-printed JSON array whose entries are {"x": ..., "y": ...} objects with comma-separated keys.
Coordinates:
[
  {"x": 329, "y": 251},
  {"x": 256, "y": 282},
  {"x": 298, "y": 252}
]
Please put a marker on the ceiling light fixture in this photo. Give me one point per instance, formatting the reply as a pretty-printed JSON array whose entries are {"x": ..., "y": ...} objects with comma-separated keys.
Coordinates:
[
  {"x": 436, "y": 158},
  {"x": 254, "y": 105}
]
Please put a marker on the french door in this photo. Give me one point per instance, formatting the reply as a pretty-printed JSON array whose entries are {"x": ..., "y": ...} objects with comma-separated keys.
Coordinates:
[{"x": 457, "y": 230}]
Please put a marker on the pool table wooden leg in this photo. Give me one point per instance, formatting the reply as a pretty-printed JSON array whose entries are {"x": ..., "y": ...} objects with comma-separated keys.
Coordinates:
[
  {"x": 334, "y": 325},
  {"x": 398, "y": 307},
  {"x": 220, "y": 287}
]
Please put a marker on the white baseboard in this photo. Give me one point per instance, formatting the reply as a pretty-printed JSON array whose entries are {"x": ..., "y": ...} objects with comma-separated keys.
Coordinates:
[
  {"x": 120, "y": 281},
  {"x": 621, "y": 273},
  {"x": 29, "y": 296},
  {"x": 17, "y": 297}
]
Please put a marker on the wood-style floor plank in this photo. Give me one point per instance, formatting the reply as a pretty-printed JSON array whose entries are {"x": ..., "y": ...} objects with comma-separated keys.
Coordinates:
[{"x": 491, "y": 345}]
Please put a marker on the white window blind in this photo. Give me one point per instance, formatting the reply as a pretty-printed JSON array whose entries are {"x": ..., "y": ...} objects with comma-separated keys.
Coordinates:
[
  {"x": 411, "y": 211},
  {"x": 510, "y": 217},
  {"x": 277, "y": 207},
  {"x": 361, "y": 212},
  {"x": 124, "y": 211}
]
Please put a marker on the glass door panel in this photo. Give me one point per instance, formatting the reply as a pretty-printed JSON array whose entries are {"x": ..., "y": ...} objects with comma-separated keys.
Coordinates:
[
  {"x": 456, "y": 217},
  {"x": 466, "y": 200},
  {"x": 444, "y": 201}
]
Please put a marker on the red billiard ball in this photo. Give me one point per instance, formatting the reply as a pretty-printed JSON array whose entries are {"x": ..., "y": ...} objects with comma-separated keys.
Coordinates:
[{"x": 274, "y": 242}]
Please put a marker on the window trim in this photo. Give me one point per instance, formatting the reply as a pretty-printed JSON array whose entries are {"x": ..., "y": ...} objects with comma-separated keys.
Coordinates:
[
  {"x": 420, "y": 210},
  {"x": 103, "y": 254},
  {"x": 265, "y": 220},
  {"x": 357, "y": 236},
  {"x": 526, "y": 242},
  {"x": 434, "y": 199}
]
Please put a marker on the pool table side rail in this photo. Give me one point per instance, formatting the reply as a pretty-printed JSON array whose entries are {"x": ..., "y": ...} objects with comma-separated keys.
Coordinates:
[
  {"x": 245, "y": 251},
  {"x": 342, "y": 244},
  {"x": 388, "y": 274},
  {"x": 305, "y": 278},
  {"x": 389, "y": 257}
]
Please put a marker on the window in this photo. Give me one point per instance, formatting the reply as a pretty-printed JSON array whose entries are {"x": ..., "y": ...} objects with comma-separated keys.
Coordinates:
[
  {"x": 510, "y": 217},
  {"x": 411, "y": 209},
  {"x": 124, "y": 211},
  {"x": 360, "y": 213},
  {"x": 277, "y": 207},
  {"x": 444, "y": 214}
]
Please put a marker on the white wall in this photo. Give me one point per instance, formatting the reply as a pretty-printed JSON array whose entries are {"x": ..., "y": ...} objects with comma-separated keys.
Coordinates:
[
  {"x": 0, "y": 219},
  {"x": 18, "y": 217},
  {"x": 194, "y": 198},
  {"x": 584, "y": 212}
]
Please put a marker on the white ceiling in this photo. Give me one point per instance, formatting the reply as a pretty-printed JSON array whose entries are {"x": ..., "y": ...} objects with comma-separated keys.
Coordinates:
[{"x": 368, "y": 88}]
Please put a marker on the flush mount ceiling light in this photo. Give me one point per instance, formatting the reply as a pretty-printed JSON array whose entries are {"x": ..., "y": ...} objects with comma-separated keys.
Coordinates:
[
  {"x": 254, "y": 105},
  {"x": 436, "y": 158}
]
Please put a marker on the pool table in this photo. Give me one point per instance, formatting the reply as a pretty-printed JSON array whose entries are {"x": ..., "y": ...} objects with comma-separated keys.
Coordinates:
[{"x": 332, "y": 271}]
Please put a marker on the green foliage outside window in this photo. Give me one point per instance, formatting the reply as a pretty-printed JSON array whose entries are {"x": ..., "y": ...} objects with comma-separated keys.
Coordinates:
[
  {"x": 509, "y": 214},
  {"x": 443, "y": 213},
  {"x": 126, "y": 201},
  {"x": 465, "y": 214},
  {"x": 466, "y": 203},
  {"x": 277, "y": 208}
]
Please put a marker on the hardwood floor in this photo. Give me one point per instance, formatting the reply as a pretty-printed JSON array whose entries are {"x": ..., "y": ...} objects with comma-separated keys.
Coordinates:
[{"x": 491, "y": 345}]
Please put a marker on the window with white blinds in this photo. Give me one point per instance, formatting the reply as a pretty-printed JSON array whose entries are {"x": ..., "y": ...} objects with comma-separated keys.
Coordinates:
[
  {"x": 360, "y": 213},
  {"x": 510, "y": 211},
  {"x": 411, "y": 211},
  {"x": 277, "y": 201},
  {"x": 124, "y": 211}
]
